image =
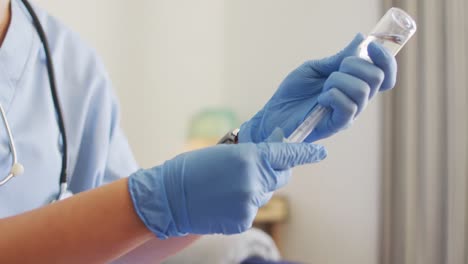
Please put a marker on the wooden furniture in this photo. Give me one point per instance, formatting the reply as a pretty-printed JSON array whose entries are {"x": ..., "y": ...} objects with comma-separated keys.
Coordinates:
[{"x": 271, "y": 217}]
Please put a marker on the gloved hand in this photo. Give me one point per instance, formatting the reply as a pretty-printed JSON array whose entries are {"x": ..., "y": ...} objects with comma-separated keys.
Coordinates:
[
  {"x": 343, "y": 82},
  {"x": 217, "y": 189}
]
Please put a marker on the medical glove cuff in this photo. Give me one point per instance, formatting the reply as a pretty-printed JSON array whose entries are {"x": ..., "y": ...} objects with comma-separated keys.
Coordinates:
[
  {"x": 251, "y": 131},
  {"x": 150, "y": 200},
  {"x": 244, "y": 133}
]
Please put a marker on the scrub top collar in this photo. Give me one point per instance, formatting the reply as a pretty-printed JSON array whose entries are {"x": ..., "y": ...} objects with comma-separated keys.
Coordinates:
[{"x": 15, "y": 51}]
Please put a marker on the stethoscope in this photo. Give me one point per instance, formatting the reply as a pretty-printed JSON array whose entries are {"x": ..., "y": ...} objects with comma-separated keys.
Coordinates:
[{"x": 16, "y": 167}]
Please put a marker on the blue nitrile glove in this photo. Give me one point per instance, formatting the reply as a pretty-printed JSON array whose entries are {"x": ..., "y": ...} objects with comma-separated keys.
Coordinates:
[
  {"x": 217, "y": 189},
  {"x": 343, "y": 82}
]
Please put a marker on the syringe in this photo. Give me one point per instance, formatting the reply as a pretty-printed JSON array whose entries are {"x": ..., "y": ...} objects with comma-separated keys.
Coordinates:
[{"x": 393, "y": 30}]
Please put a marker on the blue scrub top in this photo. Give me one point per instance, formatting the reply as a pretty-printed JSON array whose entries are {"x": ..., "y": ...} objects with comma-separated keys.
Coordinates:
[{"x": 98, "y": 150}]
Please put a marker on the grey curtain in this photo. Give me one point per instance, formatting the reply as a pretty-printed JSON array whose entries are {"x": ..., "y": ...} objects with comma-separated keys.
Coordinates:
[{"x": 425, "y": 149}]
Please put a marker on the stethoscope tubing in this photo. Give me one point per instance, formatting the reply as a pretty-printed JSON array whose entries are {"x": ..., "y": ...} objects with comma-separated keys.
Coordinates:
[
  {"x": 12, "y": 147},
  {"x": 63, "y": 182}
]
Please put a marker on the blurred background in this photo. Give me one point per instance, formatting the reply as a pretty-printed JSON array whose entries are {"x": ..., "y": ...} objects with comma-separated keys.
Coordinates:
[{"x": 171, "y": 60}]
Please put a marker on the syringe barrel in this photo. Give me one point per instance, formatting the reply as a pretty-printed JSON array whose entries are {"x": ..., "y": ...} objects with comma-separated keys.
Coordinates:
[{"x": 393, "y": 30}]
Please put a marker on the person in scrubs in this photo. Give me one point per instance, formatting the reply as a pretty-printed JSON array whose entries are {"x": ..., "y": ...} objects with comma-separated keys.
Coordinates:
[{"x": 122, "y": 213}]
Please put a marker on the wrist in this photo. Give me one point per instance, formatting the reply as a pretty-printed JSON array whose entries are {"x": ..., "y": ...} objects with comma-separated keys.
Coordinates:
[
  {"x": 249, "y": 131},
  {"x": 151, "y": 202}
]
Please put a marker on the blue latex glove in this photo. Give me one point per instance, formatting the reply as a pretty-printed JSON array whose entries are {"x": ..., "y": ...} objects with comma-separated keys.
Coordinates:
[
  {"x": 217, "y": 189},
  {"x": 343, "y": 82}
]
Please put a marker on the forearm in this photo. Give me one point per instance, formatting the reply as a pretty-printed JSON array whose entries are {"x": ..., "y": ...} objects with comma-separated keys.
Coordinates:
[
  {"x": 155, "y": 250},
  {"x": 92, "y": 227}
]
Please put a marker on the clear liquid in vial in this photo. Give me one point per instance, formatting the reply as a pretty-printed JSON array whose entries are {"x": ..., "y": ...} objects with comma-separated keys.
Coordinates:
[{"x": 392, "y": 42}]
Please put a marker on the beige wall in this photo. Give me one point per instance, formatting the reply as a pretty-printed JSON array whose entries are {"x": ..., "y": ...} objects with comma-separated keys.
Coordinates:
[{"x": 171, "y": 58}]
